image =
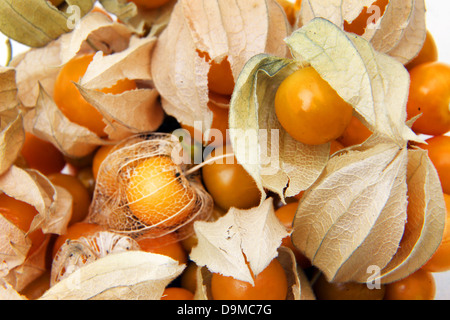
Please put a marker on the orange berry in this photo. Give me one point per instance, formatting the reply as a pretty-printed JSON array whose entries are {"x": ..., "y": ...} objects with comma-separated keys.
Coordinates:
[
  {"x": 70, "y": 101},
  {"x": 418, "y": 286},
  {"x": 220, "y": 76},
  {"x": 41, "y": 155},
  {"x": 21, "y": 214},
  {"x": 74, "y": 232},
  {"x": 428, "y": 53},
  {"x": 358, "y": 26},
  {"x": 270, "y": 284},
  {"x": 80, "y": 194},
  {"x": 355, "y": 133},
  {"x": 167, "y": 245},
  {"x": 309, "y": 109},
  {"x": 157, "y": 195},
  {"x": 99, "y": 156}
]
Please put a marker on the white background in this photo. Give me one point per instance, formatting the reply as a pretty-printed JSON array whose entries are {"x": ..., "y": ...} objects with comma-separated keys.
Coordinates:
[{"x": 438, "y": 23}]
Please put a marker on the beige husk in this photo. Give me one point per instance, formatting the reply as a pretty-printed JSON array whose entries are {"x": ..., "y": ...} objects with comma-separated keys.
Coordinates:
[
  {"x": 234, "y": 29},
  {"x": 109, "y": 205},
  {"x": 115, "y": 60}
]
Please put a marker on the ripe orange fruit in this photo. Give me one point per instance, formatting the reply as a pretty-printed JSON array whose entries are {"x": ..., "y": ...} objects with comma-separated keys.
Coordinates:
[
  {"x": 70, "y": 101},
  {"x": 167, "y": 245},
  {"x": 80, "y": 194},
  {"x": 76, "y": 231},
  {"x": 289, "y": 9},
  {"x": 418, "y": 286},
  {"x": 156, "y": 193},
  {"x": 98, "y": 158},
  {"x": 21, "y": 214},
  {"x": 439, "y": 152},
  {"x": 41, "y": 155},
  {"x": 175, "y": 293},
  {"x": 270, "y": 284},
  {"x": 286, "y": 215},
  {"x": 428, "y": 53},
  {"x": 229, "y": 184},
  {"x": 220, "y": 76},
  {"x": 429, "y": 95},
  {"x": 355, "y": 133},
  {"x": 325, "y": 290},
  {"x": 440, "y": 261},
  {"x": 309, "y": 109}
]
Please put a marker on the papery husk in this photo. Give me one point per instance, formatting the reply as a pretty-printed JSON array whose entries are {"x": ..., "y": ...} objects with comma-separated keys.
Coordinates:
[
  {"x": 363, "y": 222},
  {"x": 54, "y": 206},
  {"x": 141, "y": 20},
  {"x": 35, "y": 23},
  {"x": 129, "y": 275},
  {"x": 74, "y": 254},
  {"x": 109, "y": 205},
  {"x": 12, "y": 135},
  {"x": 299, "y": 287},
  {"x": 400, "y": 32},
  {"x": 241, "y": 243},
  {"x": 96, "y": 31},
  {"x": 218, "y": 29}
]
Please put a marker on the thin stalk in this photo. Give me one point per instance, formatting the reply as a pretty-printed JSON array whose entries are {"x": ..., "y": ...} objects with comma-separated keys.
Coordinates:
[{"x": 193, "y": 169}]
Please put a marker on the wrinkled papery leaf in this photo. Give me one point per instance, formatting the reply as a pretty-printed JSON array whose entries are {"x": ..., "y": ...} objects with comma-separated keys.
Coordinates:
[
  {"x": 299, "y": 287},
  {"x": 129, "y": 275},
  {"x": 268, "y": 153},
  {"x": 425, "y": 220},
  {"x": 225, "y": 28},
  {"x": 37, "y": 22},
  {"x": 95, "y": 32},
  {"x": 141, "y": 20},
  {"x": 400, "y": 32},
  {"x": 363, "y": 212},
  {"x": 239, "y": 240},
  {"x": 54, "y": 206},
  {"x": 376, "y": 85},
  {"x": 12, "y": 135}
]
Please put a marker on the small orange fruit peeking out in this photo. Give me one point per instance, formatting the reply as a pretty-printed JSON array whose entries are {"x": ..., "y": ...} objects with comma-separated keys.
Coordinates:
[
  {"x": 70, "y": 101},
  {"x": 21, "y": 214},
  {"x": 158, "y": 194},
  {"x": 269, "y": 284},
  {"x": 309, "y": 109},
  {"x": 220, "y": 76},
  {"x": 149, "y": 4}
]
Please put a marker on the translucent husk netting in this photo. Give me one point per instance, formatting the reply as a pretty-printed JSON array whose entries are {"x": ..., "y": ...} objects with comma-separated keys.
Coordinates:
[
  {"x": 167, "y": 201},
  {"x": 74, "y": 254}
]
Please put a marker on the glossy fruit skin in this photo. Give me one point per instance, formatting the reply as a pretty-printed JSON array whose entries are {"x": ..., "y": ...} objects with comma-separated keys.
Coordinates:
[
  {"x": 270, "y": 284},
  {"x": 98, "y": 158},
  {"x": 220, "y": 76},
  {"x": 355, "y": 133},
  {"x": 428, "y": 53},
  {"x": 289, "y": 9},
  {"x": 286, "y": 215},
  {"x": 80, "y": 195},
  {"x": 70, "y": 101},
  {"x": 325, "y": 290},
  {"x": 76, "y": 231},
  {"x": 429, "y": 95},
  {"x": 21, "y": 214},
  {"x": 42, "y": 155},
  {"x": 149, "y": 4},
  {"x": 167, "y": 245},
  {"x": 440, "y": 261},
  {"x": 439, "y": 152},
  {"x": 156, "y": 195},
  {"x": 358, "y": 25},
  {"x": 309, "y": 109},
  {"x": 175, "y": 293},
  {"x": 229, "y": 184},
  {"x": 418, "y": 286}
]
